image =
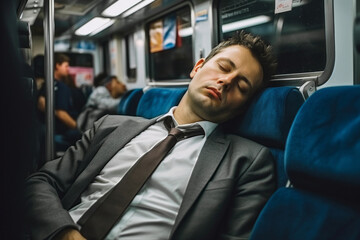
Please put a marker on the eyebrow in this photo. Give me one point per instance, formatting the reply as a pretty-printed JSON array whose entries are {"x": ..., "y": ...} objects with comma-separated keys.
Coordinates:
[
  {"x": 233, "y": 66},
  {"x": 227, "y": 60}
]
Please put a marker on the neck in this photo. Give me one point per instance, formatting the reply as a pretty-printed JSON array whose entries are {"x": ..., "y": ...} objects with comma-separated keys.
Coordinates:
[
  {"x": 183, "y": 114},
  {"x": 57, "y": 76}
]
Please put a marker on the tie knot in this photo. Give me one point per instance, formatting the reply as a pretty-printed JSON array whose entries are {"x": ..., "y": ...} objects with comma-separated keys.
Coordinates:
[{"x": 178, "y": 134}]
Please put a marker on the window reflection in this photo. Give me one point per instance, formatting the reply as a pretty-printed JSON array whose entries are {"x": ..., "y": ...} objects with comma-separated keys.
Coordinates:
[{"x": 298, "y": 36}]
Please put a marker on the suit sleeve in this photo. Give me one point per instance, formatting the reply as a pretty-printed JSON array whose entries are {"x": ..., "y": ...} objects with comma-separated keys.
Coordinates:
[
  {"x": 44, "y": 189},
  {"x": 254, "y": 187}
]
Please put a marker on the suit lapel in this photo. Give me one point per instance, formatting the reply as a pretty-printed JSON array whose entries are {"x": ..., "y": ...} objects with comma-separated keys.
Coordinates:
[
  {"x": 209, "y": 159},
  {"x": 117, "y": 140},
  {"x": 107, "y": 149}
]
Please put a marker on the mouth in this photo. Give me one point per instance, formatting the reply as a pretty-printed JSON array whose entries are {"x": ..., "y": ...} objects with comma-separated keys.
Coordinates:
[{"x": 214, "y": 92}]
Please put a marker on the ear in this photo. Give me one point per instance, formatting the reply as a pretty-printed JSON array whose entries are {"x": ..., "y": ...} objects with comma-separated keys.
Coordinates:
[{"x": 197, "y": 66}]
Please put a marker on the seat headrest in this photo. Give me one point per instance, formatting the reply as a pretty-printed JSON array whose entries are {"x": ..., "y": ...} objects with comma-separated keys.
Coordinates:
[
  {"x": 157, "y": 101},
  {"x": 129, "y": 102},
  {"x": 323, "y": 148},
  {"x": 269, "y": 116}
]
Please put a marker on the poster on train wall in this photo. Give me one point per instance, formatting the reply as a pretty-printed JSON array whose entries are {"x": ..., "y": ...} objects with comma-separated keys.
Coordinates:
[
  {"x": 283, "y": 6},
  {"x": 169, "y": 38},
  {"x": 156, "y": 33},
  {"x": 163, "y": 34},
  {"x": 82, "y": 75}
]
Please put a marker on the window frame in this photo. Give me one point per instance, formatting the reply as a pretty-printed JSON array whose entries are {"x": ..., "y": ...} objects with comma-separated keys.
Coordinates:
[
  {"x": 168, "y": 82},
  {"x": 297, "y": 79}
]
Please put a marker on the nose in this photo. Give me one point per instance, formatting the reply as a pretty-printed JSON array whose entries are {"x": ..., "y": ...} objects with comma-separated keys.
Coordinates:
[{"x": 225, "y": 81}]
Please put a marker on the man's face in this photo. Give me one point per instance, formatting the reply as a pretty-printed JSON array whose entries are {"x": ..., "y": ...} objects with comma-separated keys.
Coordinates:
[
  {"x": 62, "y": 69},
  {"x": 222, "y": 86}
]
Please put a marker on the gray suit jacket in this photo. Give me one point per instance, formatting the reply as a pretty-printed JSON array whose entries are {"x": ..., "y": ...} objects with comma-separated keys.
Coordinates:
[{"x": 231, "y": 181}]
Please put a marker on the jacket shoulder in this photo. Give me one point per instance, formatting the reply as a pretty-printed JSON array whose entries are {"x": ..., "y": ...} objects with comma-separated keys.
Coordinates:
[{"x": 116, "y": 120}]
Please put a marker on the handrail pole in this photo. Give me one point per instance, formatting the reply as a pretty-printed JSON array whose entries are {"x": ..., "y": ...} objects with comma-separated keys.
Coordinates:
[{"x": 49, "y": 77}]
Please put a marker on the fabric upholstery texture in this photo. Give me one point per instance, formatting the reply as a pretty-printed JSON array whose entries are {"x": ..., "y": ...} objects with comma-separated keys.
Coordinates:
[
  {"x": 270, "y": 115},
  {"x": 293, "y": 214},
  {"x": 322, "y": 156},
  {"x": 157, "y": 101},
  {"x": 323, "y": 149},
  {"x": 281, "y": 176},
  {"x": 129, "y": 102},
  {"x": 267, "y": 121}
]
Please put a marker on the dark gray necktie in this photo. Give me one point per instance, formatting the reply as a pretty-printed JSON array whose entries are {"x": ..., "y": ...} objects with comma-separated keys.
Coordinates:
[{"x": 102, "y": 216}]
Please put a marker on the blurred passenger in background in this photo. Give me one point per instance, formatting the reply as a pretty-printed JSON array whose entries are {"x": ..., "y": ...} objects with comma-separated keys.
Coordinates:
[
  {"x": 66, "y": 112},
  {"x": 107, "y": 94},
  {"x": 103, "y": 100},
  {"x": 79, "y": 98}
]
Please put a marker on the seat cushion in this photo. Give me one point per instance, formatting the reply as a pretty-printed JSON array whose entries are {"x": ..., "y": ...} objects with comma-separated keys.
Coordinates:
[
  {"x": 129, "y": 102},
  {"x": 292, "y": 214},
  {"x": 323, "y": 149},
  {"x": 269, "y": 116},
  {"x": 267, "y": 121}
]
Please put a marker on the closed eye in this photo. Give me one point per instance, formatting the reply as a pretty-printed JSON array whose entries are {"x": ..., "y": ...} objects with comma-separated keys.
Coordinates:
[
  {"x": 224, "y": 68},
  {"x": 225, "y": 64}
]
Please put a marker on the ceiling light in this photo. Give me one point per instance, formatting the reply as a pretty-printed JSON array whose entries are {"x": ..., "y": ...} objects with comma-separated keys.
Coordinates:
[
  {"x": 94, "y": 26},
  {"x": 137, "y": 7},
  {"x": 106, "y": 25},
  {"x": 119, "y": 7},
  {"x": 245, "y": 23}
]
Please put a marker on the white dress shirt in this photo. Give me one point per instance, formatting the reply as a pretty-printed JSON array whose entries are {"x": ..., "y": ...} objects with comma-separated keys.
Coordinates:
[{"x": 153, "y": 211}]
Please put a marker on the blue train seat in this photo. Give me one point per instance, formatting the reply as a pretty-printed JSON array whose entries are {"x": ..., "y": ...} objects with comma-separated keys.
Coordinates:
[
  {"x": 129, "y": 102},
  {"x": 322, "y": 160},
  {"x": 157, "y": 101},
  {"x": 267, "y": 121}
]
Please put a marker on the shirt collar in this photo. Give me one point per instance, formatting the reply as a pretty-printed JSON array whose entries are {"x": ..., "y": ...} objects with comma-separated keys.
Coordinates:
[{"x": 206, "y": 125}]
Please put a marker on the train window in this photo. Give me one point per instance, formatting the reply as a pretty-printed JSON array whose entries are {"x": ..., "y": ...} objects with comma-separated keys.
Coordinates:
[
  {"x": 170, "y": 46},
  {"x": 81, "y": 68},
  {"x": 130, "y": 58},
  {"x": 297, "y": 36}
]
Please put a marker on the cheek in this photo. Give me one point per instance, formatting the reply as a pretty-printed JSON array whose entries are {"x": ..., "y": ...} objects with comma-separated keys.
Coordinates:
[
  {"x": 237, "y": 99},
  {"x": 204, "y": 74},
  {"x": 194, "y": 83}
]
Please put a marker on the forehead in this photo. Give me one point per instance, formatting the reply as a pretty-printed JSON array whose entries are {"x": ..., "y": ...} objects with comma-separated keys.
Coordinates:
[
  {"x": 236, "y": 53},
  {"x": 63, "y": 63},
  {"x": 244, "y": 61}
]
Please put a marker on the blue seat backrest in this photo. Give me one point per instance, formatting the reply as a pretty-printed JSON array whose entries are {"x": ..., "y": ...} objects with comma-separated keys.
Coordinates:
[
  {"x": 267, "y": 121},
  {"x": 129, "y": 102},
  {"x": 322, "y": 160},
  {"x": 157, "y": 101}
]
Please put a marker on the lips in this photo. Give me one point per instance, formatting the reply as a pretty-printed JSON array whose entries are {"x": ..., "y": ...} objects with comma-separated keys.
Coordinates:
[{"x": 214, "y": 92}]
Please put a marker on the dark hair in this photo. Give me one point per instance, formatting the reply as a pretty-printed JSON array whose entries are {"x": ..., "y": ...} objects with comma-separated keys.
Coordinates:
[
  {"x": 100, "y": 79},
  {"x": 112, "y": 76},
  {"x": 261, "y": 51},
  {"x": 59, "y": 58}
]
